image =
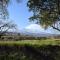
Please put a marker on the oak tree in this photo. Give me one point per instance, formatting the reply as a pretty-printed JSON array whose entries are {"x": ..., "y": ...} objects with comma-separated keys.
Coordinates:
[{"x": 45, "y": 12}]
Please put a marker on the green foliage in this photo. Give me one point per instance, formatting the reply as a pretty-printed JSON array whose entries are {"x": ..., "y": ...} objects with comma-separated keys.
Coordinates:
[
  {"x": 30, "y": 52},
  {"x": 5, "y": 24},
  {"x": 3, "y": 8},
  {"x": 46, "y": 12},
  {"x": 31, "y": 42}
]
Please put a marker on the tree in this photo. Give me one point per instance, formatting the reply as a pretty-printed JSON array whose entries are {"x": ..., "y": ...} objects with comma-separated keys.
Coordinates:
[
  {"x": 5, "y": 25},
  {"x": 46, "y": 12}
]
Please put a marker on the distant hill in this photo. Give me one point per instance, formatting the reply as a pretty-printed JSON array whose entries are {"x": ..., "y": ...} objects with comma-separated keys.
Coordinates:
[
  {"x": 37, "y": 34},
  {"x": 26, "y": 32}
]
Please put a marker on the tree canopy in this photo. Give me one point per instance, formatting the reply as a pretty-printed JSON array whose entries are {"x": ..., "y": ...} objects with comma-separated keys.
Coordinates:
[
  {"x": 46, "y": 12},
  {"x": 5, "y": 24}
]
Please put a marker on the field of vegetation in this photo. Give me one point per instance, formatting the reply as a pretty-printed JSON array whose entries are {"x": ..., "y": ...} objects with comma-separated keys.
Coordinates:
[
  {"x": 32, "y": 42},
  {"x": 30, "y": 50}
]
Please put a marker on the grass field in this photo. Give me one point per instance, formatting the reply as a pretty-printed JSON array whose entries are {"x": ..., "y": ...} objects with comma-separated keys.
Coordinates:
[
  {"x": 30, "y": 50},
  {"x": 32, "y": 42}
]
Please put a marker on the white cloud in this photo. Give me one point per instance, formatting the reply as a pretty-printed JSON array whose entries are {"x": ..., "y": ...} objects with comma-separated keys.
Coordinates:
[
  {"x": 34, "y": 28},
  {"x": 37, "y": 28}
]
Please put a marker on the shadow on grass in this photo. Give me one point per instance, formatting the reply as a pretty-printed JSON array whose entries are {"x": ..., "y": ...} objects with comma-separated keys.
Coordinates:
[{"x": 30, "y": 53}]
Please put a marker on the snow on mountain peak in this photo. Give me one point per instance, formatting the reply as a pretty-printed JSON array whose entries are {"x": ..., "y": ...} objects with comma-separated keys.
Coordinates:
[{"x": 34, "y": 28}]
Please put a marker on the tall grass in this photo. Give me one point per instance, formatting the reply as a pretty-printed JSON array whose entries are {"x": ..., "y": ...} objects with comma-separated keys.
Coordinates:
[{"x": 31, "y": 42}]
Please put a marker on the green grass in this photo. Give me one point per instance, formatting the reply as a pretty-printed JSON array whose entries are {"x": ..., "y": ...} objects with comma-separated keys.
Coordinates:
[
  {"x": 30, "y": 50},
  {"x": 32, "y": 42}
]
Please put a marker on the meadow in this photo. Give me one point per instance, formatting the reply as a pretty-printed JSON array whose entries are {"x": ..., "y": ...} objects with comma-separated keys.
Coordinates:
[
  {"x": 48, "y": 49},
  {"x": 32, "y": 42}
]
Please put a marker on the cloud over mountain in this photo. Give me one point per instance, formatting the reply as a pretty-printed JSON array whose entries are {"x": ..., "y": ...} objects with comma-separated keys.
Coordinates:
[{"x": 34, "y": 28}]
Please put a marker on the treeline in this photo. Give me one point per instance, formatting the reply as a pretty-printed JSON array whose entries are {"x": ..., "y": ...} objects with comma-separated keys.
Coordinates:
[
  {"x": 16, "y": 38},
  {"x": 26, "y": 37}
]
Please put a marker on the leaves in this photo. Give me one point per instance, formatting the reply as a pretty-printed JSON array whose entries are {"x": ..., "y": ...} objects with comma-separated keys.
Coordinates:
[
  {"x": 47, "y": 11},
  {"x": 5, "y": 25}
]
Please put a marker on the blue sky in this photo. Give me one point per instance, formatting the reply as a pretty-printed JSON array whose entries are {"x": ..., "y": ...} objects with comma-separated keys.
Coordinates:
[{"x": 19, "y": 14}]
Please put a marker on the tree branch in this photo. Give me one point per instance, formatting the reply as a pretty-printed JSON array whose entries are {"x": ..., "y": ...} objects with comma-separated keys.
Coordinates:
[{"x": 55, "y": 28}]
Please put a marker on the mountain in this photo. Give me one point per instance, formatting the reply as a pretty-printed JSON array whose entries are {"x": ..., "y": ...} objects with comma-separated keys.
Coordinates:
[
  {"x": 35, "y": 31},
  {"x": 26, "y": 32}
]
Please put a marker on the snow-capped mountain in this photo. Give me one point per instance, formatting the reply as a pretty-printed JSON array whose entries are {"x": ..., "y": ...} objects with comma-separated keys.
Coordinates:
[{"x": 36, "y": 31}]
